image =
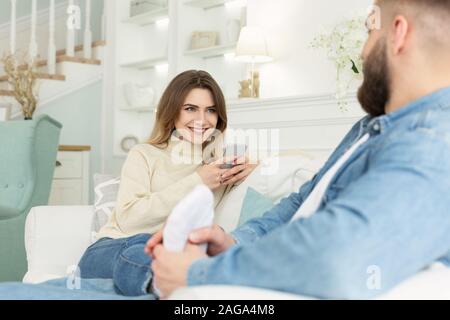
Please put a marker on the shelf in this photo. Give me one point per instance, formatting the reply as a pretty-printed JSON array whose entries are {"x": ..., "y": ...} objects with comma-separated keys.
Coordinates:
[
  {"x": 212, "y": 52},
  {"x": 206, "y": 4},
  {"x": 145, "y": 64},
  {"x": 148, "y": 17}
]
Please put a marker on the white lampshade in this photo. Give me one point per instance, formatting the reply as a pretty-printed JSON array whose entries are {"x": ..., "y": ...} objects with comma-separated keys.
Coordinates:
[{"x": 252, "y": 46}]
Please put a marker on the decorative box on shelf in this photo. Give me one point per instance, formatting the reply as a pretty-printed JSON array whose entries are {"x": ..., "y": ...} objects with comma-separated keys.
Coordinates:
[{"x": 203, "y": 39}]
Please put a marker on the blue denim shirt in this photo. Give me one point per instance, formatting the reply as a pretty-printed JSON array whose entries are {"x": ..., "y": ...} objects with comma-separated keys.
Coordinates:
[{"x": 386, "y": 214}]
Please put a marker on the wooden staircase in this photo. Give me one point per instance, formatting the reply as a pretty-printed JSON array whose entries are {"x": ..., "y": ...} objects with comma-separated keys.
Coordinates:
[
  {"x": 6, "y": 93},
  {"x": 61, "y": 72},
  {"x": 43, "y": 76},
  {"x": 79, "y": 48},
  {"x": 61, "y": 57}
]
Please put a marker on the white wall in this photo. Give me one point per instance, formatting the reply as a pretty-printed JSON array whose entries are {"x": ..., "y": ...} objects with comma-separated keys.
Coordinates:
[
  {"x": 290, "y": 26},
  {"x": 80, "y": 115}
]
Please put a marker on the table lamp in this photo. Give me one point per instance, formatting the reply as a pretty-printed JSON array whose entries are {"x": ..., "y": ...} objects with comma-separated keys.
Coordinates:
[{"x": 252, "y": 48}]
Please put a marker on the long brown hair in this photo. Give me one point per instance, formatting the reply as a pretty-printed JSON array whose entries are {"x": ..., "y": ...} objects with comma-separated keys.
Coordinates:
[{"x": 172, "y": 100}]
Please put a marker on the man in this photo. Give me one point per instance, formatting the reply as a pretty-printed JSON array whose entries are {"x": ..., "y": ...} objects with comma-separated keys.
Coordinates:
[{"x": 385, "y": 203}]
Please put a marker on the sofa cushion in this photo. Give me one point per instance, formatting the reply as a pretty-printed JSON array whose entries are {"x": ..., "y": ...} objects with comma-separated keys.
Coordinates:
[
  {"x": 254, "y": 206},
  {"x": 274, "y": 178}
]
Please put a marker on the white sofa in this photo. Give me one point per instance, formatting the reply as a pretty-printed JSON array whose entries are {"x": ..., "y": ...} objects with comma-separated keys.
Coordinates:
[{"x": 56, "y": 237}]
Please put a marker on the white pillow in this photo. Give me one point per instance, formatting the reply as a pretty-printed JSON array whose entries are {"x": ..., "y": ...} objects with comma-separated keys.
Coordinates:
[
  {"x": 106, "y": 188},
  {"x": 227, "y": 213},
  {"x": 292, "y": 171}
]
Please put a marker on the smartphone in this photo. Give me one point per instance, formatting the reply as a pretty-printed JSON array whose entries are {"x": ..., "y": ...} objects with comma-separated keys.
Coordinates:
[{"x": 233, "y": 151}]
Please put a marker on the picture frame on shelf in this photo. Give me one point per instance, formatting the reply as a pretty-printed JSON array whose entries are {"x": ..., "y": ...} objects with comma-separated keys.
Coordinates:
[{"x": 203, "y": 39}]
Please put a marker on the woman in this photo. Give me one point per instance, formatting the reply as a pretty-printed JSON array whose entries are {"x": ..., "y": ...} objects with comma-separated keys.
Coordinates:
[{"x": 154, "y": 180}]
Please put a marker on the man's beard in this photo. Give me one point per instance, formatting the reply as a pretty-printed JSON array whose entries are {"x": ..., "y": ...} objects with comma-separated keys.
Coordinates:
[{"x": 375, "y": 92}]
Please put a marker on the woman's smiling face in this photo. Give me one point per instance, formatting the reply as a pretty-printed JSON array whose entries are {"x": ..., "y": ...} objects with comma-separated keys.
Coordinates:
[{"x": 198, "y": 116}]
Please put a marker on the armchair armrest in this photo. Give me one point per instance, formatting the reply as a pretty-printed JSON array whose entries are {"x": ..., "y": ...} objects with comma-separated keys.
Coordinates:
[
  {"x": 55, "y": 239},
  {"x": 7, "y": 213}
]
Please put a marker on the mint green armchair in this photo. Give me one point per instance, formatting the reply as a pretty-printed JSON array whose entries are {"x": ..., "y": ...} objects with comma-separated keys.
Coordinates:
[{"x": 27, "y": 162}]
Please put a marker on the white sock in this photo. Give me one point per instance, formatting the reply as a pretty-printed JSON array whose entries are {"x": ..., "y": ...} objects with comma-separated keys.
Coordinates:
[{"x": 195, "y": 211}]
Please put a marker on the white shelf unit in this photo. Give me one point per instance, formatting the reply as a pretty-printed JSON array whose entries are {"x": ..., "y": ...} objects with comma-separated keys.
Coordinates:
[
  {"x": 206, "y": 4},
  {"x": 148, "y": 17},
  {"x": 141, "y": 45},
  {"x": 145, "y": 64},
  {"x": 193, "y": 18},
  {"x": 212, "y": 52}
]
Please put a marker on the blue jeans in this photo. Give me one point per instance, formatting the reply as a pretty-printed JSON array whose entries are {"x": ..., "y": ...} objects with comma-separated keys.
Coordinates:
[{"x": 122, "y": 260}]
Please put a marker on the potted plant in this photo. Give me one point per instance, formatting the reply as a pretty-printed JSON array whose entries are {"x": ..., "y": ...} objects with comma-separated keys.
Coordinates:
[
  {"x": 21, "y": 73},
  {"x": 343, "y": 46}
]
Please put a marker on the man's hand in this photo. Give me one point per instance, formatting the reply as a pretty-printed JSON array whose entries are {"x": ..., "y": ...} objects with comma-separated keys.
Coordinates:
[
  {"x": 155, "y": 240},
  {"x": 215, "y": 237},
  {"x": 170, "y": 269},
  {"x": 218, "y": 241}
]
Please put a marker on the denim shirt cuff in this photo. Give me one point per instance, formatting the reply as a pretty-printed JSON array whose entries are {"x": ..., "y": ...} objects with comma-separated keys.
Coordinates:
[
  {"x": 197, "y": 272},
  {"x": 244, "y": 235}
]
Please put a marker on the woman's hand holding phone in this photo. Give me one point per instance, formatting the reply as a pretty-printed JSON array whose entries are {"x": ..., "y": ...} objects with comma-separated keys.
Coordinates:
[
  {"x": 239, "y": 172},
  {"x": 211, "y": 175},
  {"x": 232, "y": 169}
]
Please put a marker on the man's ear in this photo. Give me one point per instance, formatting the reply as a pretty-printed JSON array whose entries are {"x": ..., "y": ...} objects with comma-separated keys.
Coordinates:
[{"x": 400, "y": 32}]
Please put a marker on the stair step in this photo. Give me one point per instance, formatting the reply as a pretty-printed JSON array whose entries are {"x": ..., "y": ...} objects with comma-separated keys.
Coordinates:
[
  {"x": 43, "y": 63},
  {"x": 6, "y": 93},
  {"x": 78, "y": 60},
  {"x": 45, "y": 76},
  {"x": 78, "y": 48},
  {"x": 61, "y": 56}
]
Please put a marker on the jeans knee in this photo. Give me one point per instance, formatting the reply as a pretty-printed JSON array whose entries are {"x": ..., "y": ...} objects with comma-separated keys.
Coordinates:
[
  {"x": 132, "y": 272},
  {"x": 136, "y": 255}
]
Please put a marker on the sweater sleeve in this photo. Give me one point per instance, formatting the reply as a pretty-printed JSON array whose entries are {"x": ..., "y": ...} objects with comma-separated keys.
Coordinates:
[{"x": 138, "y": 207}]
